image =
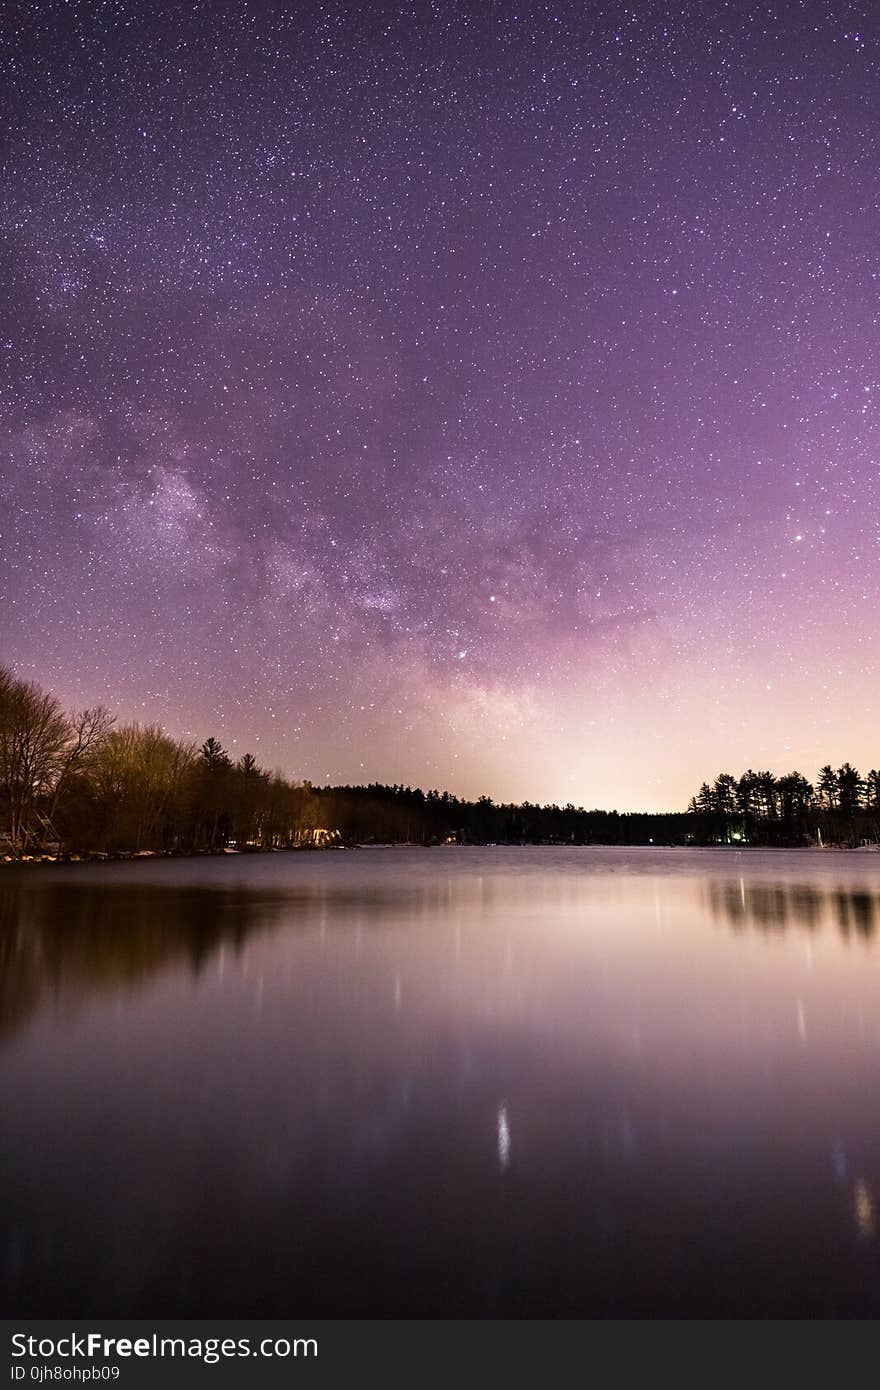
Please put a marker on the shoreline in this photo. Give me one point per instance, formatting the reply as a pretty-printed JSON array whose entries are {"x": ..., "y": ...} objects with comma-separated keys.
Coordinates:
[{"x": 141, "y": 856}]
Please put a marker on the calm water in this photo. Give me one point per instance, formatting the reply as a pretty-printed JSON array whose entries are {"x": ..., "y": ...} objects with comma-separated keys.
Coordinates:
[{"x": 478, "y": 1082}]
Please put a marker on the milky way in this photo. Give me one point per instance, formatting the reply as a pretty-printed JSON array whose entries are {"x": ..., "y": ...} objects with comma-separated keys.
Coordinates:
[{"x": 482, "y": 396}]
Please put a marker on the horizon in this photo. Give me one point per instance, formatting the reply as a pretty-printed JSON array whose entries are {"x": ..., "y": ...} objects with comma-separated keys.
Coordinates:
[{"x": 197, "y": 741}]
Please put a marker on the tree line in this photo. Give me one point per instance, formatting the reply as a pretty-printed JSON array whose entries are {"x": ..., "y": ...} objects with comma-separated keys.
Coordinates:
[
  {"x": 842, "y": 807},
  {"x": 82, "y": 784}
]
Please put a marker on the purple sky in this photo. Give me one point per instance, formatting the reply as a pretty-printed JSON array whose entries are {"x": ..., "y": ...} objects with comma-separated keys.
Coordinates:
[{"x": 482, "y": 396}]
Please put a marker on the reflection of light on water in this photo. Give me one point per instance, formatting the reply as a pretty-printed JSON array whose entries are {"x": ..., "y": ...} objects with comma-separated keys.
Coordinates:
[
  {"x": 801, "y": 1021},
  {"x": 503, "y": 1138},
  {"x": 397, "y": 992},
  {"x": 839, "y": 1160},
  {"x": 865, "y": 1216}
]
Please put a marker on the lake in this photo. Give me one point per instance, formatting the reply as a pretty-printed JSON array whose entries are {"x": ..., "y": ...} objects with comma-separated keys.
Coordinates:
[{"x": 448, "y": 1082}]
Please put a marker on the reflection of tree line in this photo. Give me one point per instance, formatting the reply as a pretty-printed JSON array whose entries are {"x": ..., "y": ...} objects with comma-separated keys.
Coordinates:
[
  {"x": 60, "y": 943},
  {"x": 775, "y": 907}
]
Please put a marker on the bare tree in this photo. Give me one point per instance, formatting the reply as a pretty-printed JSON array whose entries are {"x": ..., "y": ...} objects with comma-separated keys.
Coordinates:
[
  {"x": 35, "y": 736},
  {"x": 89, "y": 729},
  {"x": 140, "y": 772}
]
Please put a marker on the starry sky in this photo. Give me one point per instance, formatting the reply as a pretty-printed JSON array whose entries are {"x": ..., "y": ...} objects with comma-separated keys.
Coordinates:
[{"x": 479, "y": 395}]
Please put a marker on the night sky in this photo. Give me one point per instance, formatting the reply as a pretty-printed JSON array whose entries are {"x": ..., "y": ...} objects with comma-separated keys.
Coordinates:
[{"x": 482, "y": 396}]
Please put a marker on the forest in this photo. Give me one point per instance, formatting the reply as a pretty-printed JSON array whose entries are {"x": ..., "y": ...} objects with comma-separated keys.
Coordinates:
[
  {"x": 76, "y": 785},
  {"x": 841, "y": 808}
]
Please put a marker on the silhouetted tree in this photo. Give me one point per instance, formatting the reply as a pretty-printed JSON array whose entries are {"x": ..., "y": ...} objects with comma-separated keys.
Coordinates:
[
  {"x": 725, "y": 794},
  {"x": 747, "y": 793},
  {"x": 849, "y": 788},
  {"x": 213, "y": 755},
  {"x": 827, "y": 786},
  {"x": 765, "y": 788},
  {"x": 795, "y": 795}
]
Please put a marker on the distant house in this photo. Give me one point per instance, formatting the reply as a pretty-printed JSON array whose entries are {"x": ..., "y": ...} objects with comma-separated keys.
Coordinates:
[{"x": 319, "y": 838}]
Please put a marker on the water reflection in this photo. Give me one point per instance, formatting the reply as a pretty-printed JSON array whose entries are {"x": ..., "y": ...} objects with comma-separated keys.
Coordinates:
[
  {"x": 503, "y": 1138},
  {"x": 59, "y": 945},
  {"x": 769, "y": 907},
  {"x": 63, "y": 939},
  {"x": 521, "y": 1083},
  {"x": 865, "y": 1211}
]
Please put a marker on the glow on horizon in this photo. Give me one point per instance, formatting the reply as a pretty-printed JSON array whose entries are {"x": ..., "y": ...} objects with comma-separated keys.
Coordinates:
[{"x": 530, "y": 453}]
